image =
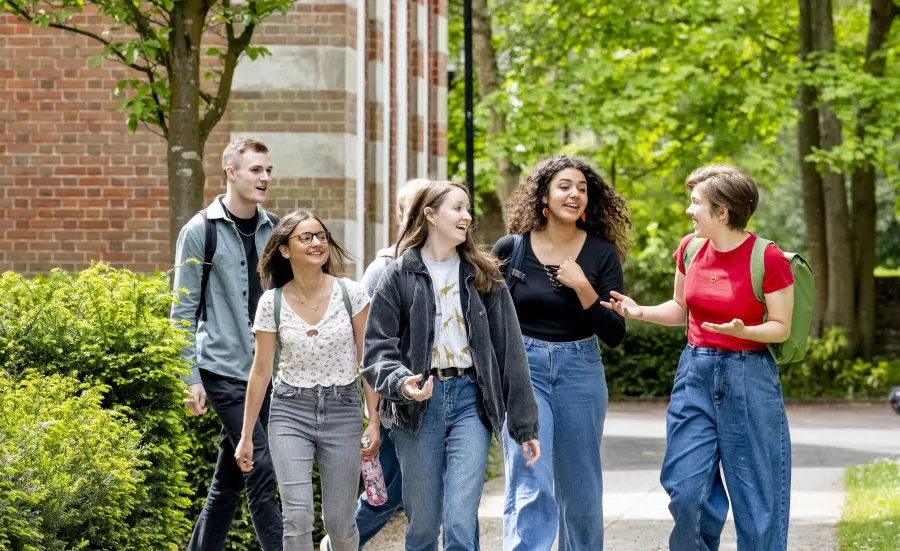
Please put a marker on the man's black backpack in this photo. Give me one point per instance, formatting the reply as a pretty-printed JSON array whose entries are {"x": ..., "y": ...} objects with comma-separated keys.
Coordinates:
[{"x": 209, "y": 251}]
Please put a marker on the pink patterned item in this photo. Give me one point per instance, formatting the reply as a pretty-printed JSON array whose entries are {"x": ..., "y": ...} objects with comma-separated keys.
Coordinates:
[{"x": 373, "y": 477}]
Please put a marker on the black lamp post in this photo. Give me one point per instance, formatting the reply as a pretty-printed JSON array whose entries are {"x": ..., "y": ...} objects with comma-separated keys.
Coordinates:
[{"x": 470, "y": 100}]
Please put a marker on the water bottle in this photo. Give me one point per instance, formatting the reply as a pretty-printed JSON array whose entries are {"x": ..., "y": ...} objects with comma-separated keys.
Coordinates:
[{"x": 373, "y": 477}]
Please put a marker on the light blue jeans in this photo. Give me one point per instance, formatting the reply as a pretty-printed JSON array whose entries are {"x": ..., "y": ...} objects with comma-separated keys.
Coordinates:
[
  {"x": 325, "y": 423},
  {"x": 727, "y": 410},
  {"x": 564, "y": 490},
  {"x": 443, "y": 468}
]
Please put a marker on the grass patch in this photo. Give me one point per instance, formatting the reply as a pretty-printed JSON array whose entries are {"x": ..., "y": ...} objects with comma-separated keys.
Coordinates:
[{"x": 871, "y": 516}]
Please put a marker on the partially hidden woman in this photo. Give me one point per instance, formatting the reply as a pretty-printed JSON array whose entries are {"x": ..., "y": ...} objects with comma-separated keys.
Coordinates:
[
  {"x": 575, "y": 231},
  {"x": 441, "y": 316},
  {"x": 726, "y": 416},
  {"x": 316, "y": 407}
]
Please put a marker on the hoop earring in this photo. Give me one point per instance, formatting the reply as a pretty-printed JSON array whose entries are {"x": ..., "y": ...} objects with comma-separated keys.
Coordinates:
[
  {"x": 546, "y": 213},
  {"x": 584, "y": 217}
]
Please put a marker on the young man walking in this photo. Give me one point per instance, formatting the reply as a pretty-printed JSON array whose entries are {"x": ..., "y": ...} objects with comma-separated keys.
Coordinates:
[{"x": 220, "y": 309}]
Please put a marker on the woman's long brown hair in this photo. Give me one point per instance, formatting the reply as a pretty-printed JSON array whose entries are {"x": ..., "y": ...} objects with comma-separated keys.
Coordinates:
[
  {"x": 415, "y": 233},
  {"x": 275, "y": 270}
]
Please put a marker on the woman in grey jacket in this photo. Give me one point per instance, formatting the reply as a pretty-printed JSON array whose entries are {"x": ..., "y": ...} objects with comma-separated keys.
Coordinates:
[{"x": 443, "y": 315}]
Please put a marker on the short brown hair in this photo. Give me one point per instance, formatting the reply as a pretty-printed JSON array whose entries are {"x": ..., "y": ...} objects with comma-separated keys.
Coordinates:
[
  {"x": 237, "y": 148},
  {"x": 728, "y": 187}
]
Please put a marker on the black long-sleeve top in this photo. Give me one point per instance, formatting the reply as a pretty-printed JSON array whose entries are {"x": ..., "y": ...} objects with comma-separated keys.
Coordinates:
[{"x": 554, "y": 313}]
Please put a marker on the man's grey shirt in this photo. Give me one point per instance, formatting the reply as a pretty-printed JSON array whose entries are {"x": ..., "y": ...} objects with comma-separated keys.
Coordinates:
[{"x": 224, "y": 344}]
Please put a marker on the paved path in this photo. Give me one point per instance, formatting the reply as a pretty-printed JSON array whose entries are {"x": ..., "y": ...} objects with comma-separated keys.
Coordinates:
[{"x": 826, "y": 439}]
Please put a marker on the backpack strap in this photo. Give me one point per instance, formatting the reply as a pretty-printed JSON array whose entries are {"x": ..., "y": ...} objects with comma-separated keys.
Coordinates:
[
  {"x": 514, "y": 270},
  {"x": 690, "y": 251},
  {"x": 758, "y": 271},
  {"x": 273, "y": 217},
  {"x": 345, "y": 296},
  {"x": 209, "y": 251},
  {"x": 278, "y": 293}
]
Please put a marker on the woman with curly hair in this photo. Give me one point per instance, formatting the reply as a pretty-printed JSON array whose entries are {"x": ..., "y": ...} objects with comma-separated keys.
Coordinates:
[{"x": 575, "y": 233}]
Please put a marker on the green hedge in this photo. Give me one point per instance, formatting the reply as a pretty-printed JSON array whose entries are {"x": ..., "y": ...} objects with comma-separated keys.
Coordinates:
[
  {"x": 644, "y": 366},
  {"x": 103, "y": 328},
  {"x": 72, "y": 472}
]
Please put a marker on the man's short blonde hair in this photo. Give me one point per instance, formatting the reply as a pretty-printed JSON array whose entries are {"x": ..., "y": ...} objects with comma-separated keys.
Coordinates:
[
  {"x": 237, "y": 148},
  {"x": 407, "y": 191}
]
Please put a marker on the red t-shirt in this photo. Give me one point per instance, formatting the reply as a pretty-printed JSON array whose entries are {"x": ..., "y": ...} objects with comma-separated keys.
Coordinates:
[{"x": 719, "y": 289}]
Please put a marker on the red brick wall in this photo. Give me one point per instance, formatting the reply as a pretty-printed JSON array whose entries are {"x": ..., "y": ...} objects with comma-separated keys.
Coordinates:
[{"x": 78, "y": 187}]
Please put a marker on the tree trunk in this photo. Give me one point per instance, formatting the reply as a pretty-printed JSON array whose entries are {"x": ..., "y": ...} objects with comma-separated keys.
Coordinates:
[
  {"x": 863, "y": 190},
  {"x": 813, "y": 200},
  {"x": 185, "y": 147},
  {"x": 490, "y": 224},
  {"x": 488, "y": 83},
  {"x": 841, "y": 309}
]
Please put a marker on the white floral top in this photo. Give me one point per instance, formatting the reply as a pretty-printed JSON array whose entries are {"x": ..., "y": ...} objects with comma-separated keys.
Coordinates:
[{"x": 326, "y": 358}]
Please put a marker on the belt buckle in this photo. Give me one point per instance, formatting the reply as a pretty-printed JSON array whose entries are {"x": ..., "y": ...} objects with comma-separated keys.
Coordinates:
[{"x": 441, "y": 370}]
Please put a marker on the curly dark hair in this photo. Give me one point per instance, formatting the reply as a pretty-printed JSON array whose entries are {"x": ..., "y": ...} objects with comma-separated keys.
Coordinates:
[{"x": 607, "y": 212}]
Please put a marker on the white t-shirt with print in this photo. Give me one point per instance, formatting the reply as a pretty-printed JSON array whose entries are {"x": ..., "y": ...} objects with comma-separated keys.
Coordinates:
[
  {"x": 327, "y": 358},
  {"x": 451, "y": 341}
]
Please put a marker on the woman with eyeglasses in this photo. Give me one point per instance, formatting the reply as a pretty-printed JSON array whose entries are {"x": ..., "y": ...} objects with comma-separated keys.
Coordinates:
[{"x": 319, "y": 321}]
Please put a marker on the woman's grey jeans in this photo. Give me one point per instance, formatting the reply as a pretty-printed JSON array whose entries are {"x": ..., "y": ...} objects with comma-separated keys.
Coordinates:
[{"x": 325, "y": 423}]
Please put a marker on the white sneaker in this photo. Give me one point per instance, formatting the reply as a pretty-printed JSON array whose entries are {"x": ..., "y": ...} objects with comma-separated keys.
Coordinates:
[{"x": 325, "y": 545}]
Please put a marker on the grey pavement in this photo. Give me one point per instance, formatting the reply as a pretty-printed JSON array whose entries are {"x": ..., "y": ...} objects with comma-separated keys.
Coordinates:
[{"x": 826, "y": 438}]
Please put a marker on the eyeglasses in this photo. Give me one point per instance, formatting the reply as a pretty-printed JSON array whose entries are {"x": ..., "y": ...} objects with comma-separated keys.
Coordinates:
[{"x": 307, "y": 237}]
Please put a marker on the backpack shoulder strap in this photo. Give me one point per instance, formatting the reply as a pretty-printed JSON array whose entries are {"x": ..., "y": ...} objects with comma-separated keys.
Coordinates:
[
  {"x": 209, "y": 251},
  {"x": 514, "y": 270},
  {"x": 345, "y": 296},
  {"x": 273, "y": 217},
  {"x": 278, "y": 292},
  {"x": 691, "y": 250},
  {"x": 758, "y": 267}
]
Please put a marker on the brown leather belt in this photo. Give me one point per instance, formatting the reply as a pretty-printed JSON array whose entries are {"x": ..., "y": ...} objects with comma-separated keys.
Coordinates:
[{"x": 447, "y": 373}]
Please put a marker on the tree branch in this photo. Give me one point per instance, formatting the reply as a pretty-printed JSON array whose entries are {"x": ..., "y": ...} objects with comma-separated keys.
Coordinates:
[
  {"x": 236, "y": 46},
  {"x": 141, "y": 21},
  {"x": 17, "y": 9}
]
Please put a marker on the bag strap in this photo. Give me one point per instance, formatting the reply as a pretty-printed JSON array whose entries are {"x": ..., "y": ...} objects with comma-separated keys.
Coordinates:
[
  {"x": 273, "y": 217},
  {"x": 758, "y": 272},
  {"x": 209, "y": 251},
  {"x": 278, "y": 293},
  {"x": 690, "y": 251},
  {"x": 514, "y": 270},
  {"x": 346, "y": 297}
]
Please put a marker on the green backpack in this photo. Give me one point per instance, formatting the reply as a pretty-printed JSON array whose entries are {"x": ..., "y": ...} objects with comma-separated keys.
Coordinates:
[{"x": 794, "y": 348}]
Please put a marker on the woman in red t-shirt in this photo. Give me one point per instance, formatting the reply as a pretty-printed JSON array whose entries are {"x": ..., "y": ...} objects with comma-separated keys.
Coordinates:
[{"x": 726, "y": 406}]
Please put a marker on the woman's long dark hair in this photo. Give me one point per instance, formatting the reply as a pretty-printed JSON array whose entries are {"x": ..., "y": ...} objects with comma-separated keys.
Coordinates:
[
  {"x": 415, "y": 233},
  {"x": 607, "y": 212},
  {"x": 275, "y": 270}
]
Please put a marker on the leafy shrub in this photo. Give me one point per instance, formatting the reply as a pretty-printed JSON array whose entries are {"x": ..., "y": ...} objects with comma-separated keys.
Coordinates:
[
  {"x": 828, "y": 372},
  {"x": 644, "y": 364},
  {"x": 72, "y": 473},
  {"x": 103, "y": 327}
]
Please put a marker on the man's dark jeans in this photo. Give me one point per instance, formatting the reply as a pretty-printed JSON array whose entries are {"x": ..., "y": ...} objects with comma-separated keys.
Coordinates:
[{"x": 227, "y": 395}]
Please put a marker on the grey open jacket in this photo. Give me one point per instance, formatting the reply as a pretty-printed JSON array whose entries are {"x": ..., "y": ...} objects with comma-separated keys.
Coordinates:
[
  {"x": 398, "y": 345},
  {"x": 223, "y": 344}
]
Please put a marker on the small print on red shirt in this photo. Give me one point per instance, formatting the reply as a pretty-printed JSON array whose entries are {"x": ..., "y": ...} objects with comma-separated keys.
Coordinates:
[{"x": 719, "y": 289}]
